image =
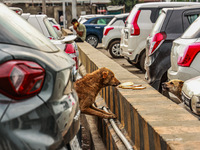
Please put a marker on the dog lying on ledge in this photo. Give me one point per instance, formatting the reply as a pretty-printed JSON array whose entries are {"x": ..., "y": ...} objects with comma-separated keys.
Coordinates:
[{"x": 89, "y": 86}]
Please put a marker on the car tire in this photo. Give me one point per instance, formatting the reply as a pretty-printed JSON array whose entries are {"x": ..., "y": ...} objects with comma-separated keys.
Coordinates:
[
  {"x": 142, "y": 62},
  {"x": 114, "y": 49},
  {"x": 92, "y": 40}
]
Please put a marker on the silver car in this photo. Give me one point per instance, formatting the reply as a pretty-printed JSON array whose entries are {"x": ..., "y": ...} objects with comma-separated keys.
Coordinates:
[
  {"x": 39, "y": 107},
  {"x": 185, "y": 54},
  {"x": 112, "y": 35}
]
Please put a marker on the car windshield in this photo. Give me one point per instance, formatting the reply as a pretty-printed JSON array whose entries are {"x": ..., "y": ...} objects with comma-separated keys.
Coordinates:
[
  {"x": 51, "y": 29},
  {"x": 193, "y": 30},
  {"x": 15, "y": 30},
  {"x": 158, "y": 24}
]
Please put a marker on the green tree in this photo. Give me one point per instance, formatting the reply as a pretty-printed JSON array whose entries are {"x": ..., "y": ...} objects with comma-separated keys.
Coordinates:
[{"x": 128, "y": 3}]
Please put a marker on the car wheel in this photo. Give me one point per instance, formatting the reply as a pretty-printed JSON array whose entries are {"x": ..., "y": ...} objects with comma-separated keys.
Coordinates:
[
  {"x": 92, "y": 40},
  {"x": 114, "y": 49},
  {"x": 141, "y": 61}
]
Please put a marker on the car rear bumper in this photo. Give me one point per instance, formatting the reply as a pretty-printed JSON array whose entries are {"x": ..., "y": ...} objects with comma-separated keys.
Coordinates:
[
  {"x": 182, "y": 73},
  {"x": 51, "y": 124}
]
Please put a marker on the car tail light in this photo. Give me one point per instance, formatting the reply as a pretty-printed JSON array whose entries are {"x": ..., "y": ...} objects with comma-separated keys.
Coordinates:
[
  {"x": 189, "y": 54},
  {"x": 57, "y": 27},
  {"x": 107, "y": 30},
  {"x": 156, "y": 41},
  {"x": 69, "y": 49},
  {"x": 135, "y": 30},
  {"x": 21, "y": 79}
]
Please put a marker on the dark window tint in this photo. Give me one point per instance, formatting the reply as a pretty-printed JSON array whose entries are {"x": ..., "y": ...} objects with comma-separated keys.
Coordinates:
[
  {"x": 193, "y": 30},
  {"x": 192, "y": 18}
]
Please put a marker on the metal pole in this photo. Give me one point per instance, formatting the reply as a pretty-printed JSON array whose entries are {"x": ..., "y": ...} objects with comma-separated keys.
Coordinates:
[
  {"x": 64, "y": 16},
  {"x": 44, "y": 10},
  {"x": 74, "y": 11}
]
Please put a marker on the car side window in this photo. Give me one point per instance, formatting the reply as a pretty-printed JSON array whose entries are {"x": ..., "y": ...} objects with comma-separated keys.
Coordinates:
[
  {"x": 192, "y": 18},
  {"x": 118, "y": 22},
  {"x": 102, "y": 21},
  {"x": 94, "y": 21},
  {"x": 108, "y": 20}
]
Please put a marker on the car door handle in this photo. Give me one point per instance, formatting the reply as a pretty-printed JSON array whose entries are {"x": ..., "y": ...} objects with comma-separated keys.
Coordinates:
[{"x": 97, "y": 27}]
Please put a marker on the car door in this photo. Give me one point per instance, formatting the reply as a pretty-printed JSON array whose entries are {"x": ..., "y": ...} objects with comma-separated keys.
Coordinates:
[{"x": 96, "y": 26}]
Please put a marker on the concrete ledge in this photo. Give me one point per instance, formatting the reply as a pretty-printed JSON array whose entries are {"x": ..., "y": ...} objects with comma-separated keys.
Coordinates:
[{"x": 151, "y": 120}]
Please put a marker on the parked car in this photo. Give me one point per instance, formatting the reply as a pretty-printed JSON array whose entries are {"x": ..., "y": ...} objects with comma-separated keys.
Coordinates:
[
  {"x": 185, "y": 54},
  {"x": 170, "y": 25},
  {"x": 191, "y": 95},
  {"x": 56, "y": 26},
  {"x": 94, "y": 29},
  {"x": 138, "y": 26},
  {"x": 83, "y": 18},
  {"x": 67, "y": 44},
  {"x": 39, "y": 106},
  {"x": 112, "y": 35}
]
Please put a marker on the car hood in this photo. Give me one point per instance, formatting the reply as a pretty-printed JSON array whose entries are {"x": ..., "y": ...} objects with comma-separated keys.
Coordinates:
[
  {"x": 54, "y": 60},
  {"x": 191, "y": 87}
]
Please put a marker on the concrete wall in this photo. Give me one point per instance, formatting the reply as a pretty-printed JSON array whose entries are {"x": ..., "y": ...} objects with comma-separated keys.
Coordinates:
[{"x": 150, "y": 120}]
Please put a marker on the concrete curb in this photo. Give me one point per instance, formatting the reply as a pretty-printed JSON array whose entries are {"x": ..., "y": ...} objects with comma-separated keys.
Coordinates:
[{"x": 151, "y": 120}]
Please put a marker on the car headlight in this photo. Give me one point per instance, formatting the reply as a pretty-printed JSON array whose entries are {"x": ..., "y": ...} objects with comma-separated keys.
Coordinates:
[{"x": 195, "y": 104}]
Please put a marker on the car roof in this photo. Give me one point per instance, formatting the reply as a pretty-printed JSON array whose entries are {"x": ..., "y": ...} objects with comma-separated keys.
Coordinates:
[
  {"x": 183, "y": 8},
  {"x": 121, "y": 15},
  {"x": 161, "y": 4},
  {"x": 105, "y": 16}
]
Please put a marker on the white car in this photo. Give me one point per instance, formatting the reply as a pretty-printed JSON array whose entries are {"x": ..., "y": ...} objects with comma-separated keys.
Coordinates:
[
  {"x": 56, "y": 26},
  {"x": 185, "y": 56},
  {"x": 138, "y": 26},
  {"x": 112, "y": 35},
  {"x": 191, "y": 95},
  {"x": 67, "y": 44}
]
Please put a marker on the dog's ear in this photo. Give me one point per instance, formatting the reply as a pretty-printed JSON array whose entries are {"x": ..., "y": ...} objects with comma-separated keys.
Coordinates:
[
  {"x": 181, "y": 83},
  {"x": 105, "y": 74}
]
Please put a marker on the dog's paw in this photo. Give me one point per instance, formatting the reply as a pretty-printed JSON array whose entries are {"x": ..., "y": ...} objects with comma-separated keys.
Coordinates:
[{"x": 114, "y": 116}]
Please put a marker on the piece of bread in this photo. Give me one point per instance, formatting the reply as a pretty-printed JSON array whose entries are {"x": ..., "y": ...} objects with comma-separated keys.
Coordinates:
[{"x": 126, "y": 84}]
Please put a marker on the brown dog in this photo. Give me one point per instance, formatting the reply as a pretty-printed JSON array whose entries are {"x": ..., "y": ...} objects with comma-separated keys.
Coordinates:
[
  {"x": 89, "y": 86},
  {"x": 174, "y": 86}
]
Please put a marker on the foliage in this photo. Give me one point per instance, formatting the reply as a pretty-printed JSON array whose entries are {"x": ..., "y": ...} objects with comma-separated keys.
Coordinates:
[{"x": 128, "y": 3}]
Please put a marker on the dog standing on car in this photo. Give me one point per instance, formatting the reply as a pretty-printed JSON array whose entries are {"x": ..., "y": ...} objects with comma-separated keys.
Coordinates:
[
  {"x": 174, "y": 86},
  {"x": 89, "y": 86}
]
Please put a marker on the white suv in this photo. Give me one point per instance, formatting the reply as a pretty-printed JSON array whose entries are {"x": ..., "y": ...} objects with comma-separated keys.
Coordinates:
[
  {"x": 185, "y": 56},
  {"x": 138, "y": 26},
  {"x": 112, "y": 35}
]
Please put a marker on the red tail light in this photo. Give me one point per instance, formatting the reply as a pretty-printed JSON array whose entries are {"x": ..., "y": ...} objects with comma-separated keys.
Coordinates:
[
  {"x": 76, "y": 60},
  {"x": 21, "y": 79},
  {"x": 156, "y": 41},
  {"x": 107, "y": 30},
  {"x": 57, "y": 27},
  {"x": 135, "y": 30},
  {"x": 69, "y": 49},
  {"x": 189, "y": 54}
]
